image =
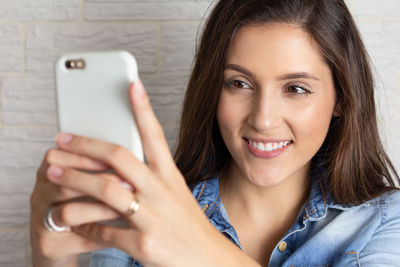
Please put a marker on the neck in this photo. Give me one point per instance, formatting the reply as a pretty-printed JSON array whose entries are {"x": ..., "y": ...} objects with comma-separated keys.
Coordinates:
[{"x": 261, "y": 204}]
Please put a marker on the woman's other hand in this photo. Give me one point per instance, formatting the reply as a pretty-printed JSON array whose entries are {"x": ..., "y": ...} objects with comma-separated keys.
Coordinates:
[{"x": 54, "y": 248}]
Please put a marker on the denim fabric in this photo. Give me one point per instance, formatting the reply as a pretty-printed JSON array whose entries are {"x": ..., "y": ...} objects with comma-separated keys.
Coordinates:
[{"x": 324, "y": 234}]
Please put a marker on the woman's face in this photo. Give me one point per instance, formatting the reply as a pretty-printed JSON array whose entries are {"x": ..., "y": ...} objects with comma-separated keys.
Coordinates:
[{"x": 276, "y": 104}]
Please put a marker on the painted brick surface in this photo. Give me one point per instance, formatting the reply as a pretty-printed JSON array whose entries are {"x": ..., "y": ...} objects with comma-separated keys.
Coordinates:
[
  {"x": 375, "y": 8},
  {"x": 12, "y": 252},
  {"x": 46, "y": 42},
  {"x": 11, "y": 52},
  {"x": 161, "y": 34},
  {"x": 165, "y": 10},
  {"x": 177, "y": 55},
  {"x": 22, "y": 152},
  {"x": 28, "y": 10}
]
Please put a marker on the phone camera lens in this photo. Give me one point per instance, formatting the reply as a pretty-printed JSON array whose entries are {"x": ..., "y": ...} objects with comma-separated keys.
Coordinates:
[{"x": 70, "y": 64}]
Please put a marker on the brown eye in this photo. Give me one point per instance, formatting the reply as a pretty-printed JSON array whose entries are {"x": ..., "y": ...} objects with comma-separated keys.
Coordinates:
[
  {"x": 238, "y": 84},
  {"x": 297, "y": 90}
]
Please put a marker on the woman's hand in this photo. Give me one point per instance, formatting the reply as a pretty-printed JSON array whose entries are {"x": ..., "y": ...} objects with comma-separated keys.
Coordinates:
[
  {"x": 61, "y": 249},
  {"x": 169, "y": 228}
]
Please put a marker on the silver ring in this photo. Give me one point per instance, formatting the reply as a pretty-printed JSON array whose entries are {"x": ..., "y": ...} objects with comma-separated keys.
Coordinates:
[
  {"x": 133, "y": 207},
  {"x": 49, "y": 223}
]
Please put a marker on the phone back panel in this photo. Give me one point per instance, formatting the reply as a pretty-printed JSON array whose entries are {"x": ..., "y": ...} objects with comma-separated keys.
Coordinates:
[{"x": 94, "y": 101}]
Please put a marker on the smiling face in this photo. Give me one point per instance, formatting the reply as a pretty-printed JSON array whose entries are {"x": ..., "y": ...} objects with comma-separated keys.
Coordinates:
[{"x": 276, "y": 104}]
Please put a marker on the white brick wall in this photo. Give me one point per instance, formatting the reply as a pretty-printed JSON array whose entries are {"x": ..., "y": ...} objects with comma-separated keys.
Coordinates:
[{"x": 161, "y": 34}]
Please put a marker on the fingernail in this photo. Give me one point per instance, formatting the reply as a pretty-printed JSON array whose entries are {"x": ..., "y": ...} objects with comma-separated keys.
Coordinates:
[
  {"x": 63, "y": 138},
  {"x": 55, "y": 172},
  {"x": 126, "y": 185},
  {"x": 138, "y": 89}
]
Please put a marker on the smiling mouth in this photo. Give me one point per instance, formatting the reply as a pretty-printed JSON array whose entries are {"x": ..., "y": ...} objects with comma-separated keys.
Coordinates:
[{"x": 268, "y": 146}]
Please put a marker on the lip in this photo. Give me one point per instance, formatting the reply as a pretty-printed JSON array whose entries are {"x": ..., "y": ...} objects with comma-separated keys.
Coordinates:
[{"x": 266, "y": 154}]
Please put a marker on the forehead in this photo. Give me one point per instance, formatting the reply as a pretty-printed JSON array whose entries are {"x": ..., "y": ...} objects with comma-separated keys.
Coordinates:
[{"x": 277, "y": 47}]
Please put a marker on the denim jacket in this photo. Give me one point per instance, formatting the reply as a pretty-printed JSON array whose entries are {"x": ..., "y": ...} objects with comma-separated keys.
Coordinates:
[{"x": 324, "y": 234}]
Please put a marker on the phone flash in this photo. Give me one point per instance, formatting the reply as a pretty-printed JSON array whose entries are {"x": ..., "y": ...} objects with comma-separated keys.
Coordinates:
[{"x": 75, "y": 64}]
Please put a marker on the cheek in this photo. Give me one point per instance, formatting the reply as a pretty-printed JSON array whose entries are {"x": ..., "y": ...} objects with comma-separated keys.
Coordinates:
[
  {"x": 312, "y": 123},
  {"x": 229, "y": 116}
]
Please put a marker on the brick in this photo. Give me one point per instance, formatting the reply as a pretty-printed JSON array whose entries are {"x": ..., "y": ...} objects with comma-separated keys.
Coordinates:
[
  {"x": 165, "y": 10},
  {"x": 178, "y": 47},
  {"x": 25, "y": 149},
  {"x": 391, "y": 144},
  {"x": 375, "y": 8},
  {"x": 12, "y": 248},
  {"x": 381, "y": 38},
  {"x": 11, "y": 54},
  {"x": 28, "y": 100},
  {"x": 171, "y": 134},
  {"x": 165, "y": 82},
  {"x": 28, "y": 10},
  {"x": 147, "y": 1},
  {"x": 46, "y": 43},
  {"x": 167, "y": 108}
]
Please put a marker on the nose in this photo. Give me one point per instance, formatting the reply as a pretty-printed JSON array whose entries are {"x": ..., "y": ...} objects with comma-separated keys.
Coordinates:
[{"x": 266, "y": 113}]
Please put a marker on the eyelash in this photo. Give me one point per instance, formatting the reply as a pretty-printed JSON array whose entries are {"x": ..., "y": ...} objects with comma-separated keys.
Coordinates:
[
  {"x": 302, "y": 87},
  {"x": 230, "y": 84}
]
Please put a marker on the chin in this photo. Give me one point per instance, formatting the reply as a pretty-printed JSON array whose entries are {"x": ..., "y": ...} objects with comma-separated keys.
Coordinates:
[{"x": 266, "y": 180}]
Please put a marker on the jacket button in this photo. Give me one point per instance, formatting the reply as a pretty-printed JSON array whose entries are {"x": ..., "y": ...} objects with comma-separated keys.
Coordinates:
[{"x": 282, "y": 246}]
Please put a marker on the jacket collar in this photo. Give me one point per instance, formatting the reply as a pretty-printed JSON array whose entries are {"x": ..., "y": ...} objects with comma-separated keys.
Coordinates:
[{"x": 315, "y": 207}]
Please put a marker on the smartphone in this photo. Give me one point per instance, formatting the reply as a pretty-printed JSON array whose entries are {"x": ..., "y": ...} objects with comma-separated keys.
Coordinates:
[{"x": 93, "y": 97}]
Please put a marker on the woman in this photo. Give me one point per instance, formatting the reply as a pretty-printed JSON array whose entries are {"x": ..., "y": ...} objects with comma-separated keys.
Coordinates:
[{"x": 278, "y": 144}]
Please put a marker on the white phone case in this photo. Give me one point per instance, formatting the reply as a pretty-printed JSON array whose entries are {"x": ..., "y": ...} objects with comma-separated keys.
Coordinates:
[{"x": 93, "y": 101}]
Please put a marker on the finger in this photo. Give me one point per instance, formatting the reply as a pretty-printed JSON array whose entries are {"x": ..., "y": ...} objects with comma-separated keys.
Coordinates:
[
  {"x": 54, "y": 194},
  {"x": 55, "y": 245},
  {"x": 154, "y": 143},
  {"x": 67, "y": 159},
  {"x": 76, "y": 213},
  {"x": 108, "y": 191},
  {"x": 128, "y": 240},
  {"x": 122, "y": 161}
]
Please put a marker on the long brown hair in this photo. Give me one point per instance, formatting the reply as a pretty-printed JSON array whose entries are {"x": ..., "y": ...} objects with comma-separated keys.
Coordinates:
[{"x": 358, "y": 169}]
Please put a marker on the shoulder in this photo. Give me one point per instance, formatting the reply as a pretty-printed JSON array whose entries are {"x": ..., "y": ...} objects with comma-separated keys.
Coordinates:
[{"x": 390, "y": 206}]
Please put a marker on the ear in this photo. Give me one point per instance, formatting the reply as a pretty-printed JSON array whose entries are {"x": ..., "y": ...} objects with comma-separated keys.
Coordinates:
[{"x": 337, "y": 111}]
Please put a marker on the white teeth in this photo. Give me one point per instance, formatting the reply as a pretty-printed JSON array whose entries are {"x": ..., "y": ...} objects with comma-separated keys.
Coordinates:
[
  {"x": 260, "y": 146},
  {"x": 254, "y": 144},
  {"x": 268, "y": 146}
]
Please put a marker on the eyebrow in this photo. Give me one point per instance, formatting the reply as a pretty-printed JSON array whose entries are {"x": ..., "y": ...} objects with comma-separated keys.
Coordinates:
[{"x": 287, "y": 76}]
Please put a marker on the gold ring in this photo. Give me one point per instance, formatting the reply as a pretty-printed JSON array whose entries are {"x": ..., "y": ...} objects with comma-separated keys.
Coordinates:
[{"x": 133, "y": 207}]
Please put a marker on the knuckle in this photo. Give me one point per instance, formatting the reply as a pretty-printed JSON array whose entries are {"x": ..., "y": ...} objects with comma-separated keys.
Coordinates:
[
  {"x": 117, "y": 153},
  {"x": 66, "y": 214},
  {"x": 63, "y": 193},
  {"x": 107, "y": 189},
  {"x": 145, "y": 246},
  {"x": 50, "y": 155}
]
